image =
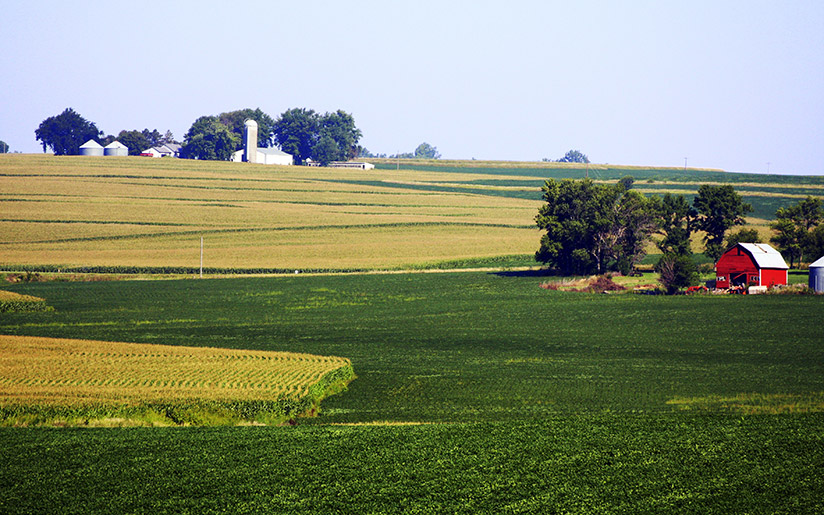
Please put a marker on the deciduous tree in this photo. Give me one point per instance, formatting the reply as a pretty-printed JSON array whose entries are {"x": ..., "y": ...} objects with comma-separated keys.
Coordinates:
[
  {"x": 427, "y": 151},
  {"x": 64, "y": 133},
  {"x": 574, "y": 156},
  {"x": 719, "y": 209},
  {"x": 210, "y": 140},
  {"x": 591, "y": 227}
]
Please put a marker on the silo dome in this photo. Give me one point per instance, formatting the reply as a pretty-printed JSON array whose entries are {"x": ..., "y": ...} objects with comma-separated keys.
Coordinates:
[
  {"x": 91, "y": 148},
  {"x": 116, "y": 148}
]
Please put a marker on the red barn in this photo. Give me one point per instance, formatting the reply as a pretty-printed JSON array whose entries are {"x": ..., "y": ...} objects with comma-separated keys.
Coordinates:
[{"x": 750, "y": 264}]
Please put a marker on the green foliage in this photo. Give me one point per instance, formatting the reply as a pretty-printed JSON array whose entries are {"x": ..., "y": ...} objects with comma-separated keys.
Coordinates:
[
  {"x": 326, "y": 150},
  {"x": 719, "y": 208},
  {"x": 574, "y": 156},
  {"x": 626, "y": 182},
  {"x": 236, "y": 120},
  {"x": 4, "y": 147},
  {"x": 426, "y": 151},
  {"x": 299, "y": 132},
  {"x": 64, "y": 133},
  {"x": 742, "y": 236},
  {"x": 676, "y": 271},
  {"x": 794, "y": 227},
  {"x": 209, "y": 139},
  {"x": 593, "y": 227}
]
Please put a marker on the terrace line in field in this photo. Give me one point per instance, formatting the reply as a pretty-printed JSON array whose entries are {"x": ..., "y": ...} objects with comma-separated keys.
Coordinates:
[{"x": 77, "y": 374}]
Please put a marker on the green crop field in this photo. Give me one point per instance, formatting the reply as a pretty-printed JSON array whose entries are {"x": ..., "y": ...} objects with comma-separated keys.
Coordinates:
[{"x": 476, "y": 392}]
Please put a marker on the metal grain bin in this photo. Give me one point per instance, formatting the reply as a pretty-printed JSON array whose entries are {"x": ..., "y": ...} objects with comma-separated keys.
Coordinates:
[
  {"x": 116, "y": 148},
  {"x": 91, "y": 148},
  {"x": 817, "y": 276}
]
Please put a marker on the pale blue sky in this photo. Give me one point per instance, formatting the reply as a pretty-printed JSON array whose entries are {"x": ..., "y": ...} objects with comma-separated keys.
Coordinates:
[{"x": 727, "y": 84}]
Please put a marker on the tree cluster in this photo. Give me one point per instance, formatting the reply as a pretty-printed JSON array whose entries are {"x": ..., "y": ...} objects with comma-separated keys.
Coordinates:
[
  {"x": 590, "y": 227},
  {"x": 799, "y": 233},
  {"x": 599, "y": 228},
  {"x": 305, "y": 134},
  {"x": 65, "y": 132}
]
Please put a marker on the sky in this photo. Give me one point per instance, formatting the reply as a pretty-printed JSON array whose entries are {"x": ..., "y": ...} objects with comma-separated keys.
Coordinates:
[{"x": 735, "y": 85}]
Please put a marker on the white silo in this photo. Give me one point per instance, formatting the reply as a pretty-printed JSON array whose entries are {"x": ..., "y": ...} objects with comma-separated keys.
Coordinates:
[
  {"x": 116, "y": 148},
  {"x": 250, "y": 137},
  {"x": 91, "y": 148},
  {"x": 816, "y": 281}
]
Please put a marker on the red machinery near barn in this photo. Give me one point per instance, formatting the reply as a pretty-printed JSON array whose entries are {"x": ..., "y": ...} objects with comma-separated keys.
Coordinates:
[{"x": 750, "y": 264}]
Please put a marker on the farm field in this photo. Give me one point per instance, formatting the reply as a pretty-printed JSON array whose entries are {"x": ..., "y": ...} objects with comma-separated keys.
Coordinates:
[
  {"x": 68, "y": 381},
  {"x": 476, "y": 392},
  {"x": 65, "y": 212}
]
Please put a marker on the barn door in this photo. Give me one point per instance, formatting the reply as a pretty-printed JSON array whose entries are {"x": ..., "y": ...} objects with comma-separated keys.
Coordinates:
[{"x": 738, "y": 279}]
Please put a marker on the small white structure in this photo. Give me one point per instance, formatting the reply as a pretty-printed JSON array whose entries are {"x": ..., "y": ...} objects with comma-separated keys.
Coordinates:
[
  {"x": 266, "y": 156},
  {"x": 91, "y": 148},
  {"x": 816, "y": 280},
  {"x": 352, "y": 164},
  {"x": 165, "y": 150},
  {"x": 116, "y": 148}
]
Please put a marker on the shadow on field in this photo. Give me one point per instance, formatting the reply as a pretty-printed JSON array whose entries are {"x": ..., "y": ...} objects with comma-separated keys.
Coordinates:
[{"x": 526, "y": 273}]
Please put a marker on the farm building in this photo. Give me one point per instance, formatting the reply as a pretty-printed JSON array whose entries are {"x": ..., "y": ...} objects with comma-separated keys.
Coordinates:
[
  {"x": 116, "y": 148},
  {"x": 816, "y": 281},
  {"x": 351, "y": 164},
  {"x": 750, "y": 264},
  {"x": 165, "y": 150},
  {"x": 266, "y": 156},
  {"x": 91, "y": 148}
]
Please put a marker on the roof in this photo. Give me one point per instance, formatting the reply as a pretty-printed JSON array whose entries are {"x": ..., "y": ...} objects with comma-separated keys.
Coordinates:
[
  {"x": 764, "y": 255},
  {"x": 819, "y": 263},
  {"x": 116, "y": 144},
  {"x": 273, "y": 151},
  {"x": 91, "y": 144}
]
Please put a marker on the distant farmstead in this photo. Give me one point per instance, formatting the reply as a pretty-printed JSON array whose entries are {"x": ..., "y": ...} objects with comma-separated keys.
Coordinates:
[
  {"x": 751, "y": 264},
  {"x": 165, "y": 150}
]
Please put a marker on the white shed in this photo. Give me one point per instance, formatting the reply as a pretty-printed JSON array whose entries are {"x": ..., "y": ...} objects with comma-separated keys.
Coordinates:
[{"x": 267, "y": 156}]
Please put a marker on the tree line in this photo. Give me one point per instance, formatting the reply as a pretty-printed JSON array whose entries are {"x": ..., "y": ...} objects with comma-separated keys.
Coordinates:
[
  {"x": 303, "y": 133},
  {"x": 591, "y": 227}
]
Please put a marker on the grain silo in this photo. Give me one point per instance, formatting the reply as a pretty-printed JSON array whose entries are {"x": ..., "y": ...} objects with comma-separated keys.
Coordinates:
[
  {"x": 817, "y": 276},
  {"x": 116, "y": 148},
  {"x": 91, "y": 148},
  {"x": 250, "y": 141}
]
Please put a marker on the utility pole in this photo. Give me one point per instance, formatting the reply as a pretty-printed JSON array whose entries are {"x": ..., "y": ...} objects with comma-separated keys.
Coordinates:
[
  {"x": 201, "y": 257},
  {"x": 685, "y": 164}
]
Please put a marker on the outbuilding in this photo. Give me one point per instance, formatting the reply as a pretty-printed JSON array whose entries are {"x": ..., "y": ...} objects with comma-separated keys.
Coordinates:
[
  {"x": 116, "y": 148},
  {"x": 91, "y": 148},
  {"x": 751, "y": 264},
  {"x": 817, "y": 276}
]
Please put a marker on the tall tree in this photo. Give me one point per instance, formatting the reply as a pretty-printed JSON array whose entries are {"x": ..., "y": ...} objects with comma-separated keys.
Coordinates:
[
  {"x": 340, "y": 127},
  {"x": 590, "y": 227},
  {"x": 427, "y": 151},
  {"x": 574, "y": 156},
  {"x": 296, "y": 133},
  {"x": 719, "y": 209},
  {"x": 135, "y": 140},
  {"x": 676, "y": 225},
  {"x": 326, "y": 150},
  {"x": 793, "y": 226},
  {"x": 209, "y": 139},
  {"x": 64, "y": 133},
  {"x": 4, "y": 147}
]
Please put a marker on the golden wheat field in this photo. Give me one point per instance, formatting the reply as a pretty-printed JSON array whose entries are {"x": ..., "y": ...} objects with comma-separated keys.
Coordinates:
[
  {"x": 132, "y": 211},
  {"x": 35, "y": 370}
]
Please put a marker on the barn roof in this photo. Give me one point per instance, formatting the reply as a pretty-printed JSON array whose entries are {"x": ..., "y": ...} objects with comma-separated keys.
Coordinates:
[{"x": 765, "y": 256}]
